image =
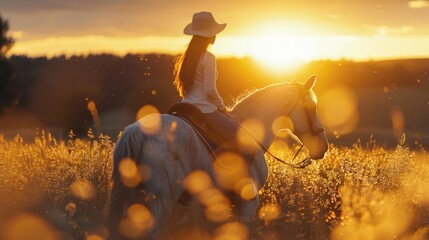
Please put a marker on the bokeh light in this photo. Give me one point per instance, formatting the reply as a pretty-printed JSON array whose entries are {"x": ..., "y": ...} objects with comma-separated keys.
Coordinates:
[
  {"x": 149, "y": 119},
  {"x": 94, "y": 237},
  {"x": 197, "y": 181},
  {"x": 281, "y": 123},
  {"x": 128, "y": 169},
  {"x": 398, "y": 121},
  {"x": 171, "y": 133},
  {"x": 338, "y": 110},
  {"x": 269, "y": 212},
  {"x": 213, "y": 196},
  {"x": 138, "y": 223},
  {"x": 27, "y": 226},
  {"x": 140, "y": 214},
  {"x": 92, "y": 107},
  {"x": 218, "y": 212},
  {"x": 71, "y": 208},
  {"x": 82, "y": 189},
  {"x": 251, "y": 130},
  {"x": 231, "y": 231},
  {"x": 217, "y": 205},
  {"x": 245, "y": 188},
  {"x": 229, "y": 168}
]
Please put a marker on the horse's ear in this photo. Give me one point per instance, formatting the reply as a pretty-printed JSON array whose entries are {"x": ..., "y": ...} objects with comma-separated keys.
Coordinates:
[{"x": 309, "y": 84}]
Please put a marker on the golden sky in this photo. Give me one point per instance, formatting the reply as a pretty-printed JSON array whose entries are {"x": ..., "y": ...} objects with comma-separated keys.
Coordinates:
[{"x": 276, "y": 31}]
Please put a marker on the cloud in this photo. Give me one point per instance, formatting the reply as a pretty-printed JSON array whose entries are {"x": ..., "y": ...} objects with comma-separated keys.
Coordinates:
[
  {"x": 418, "y": 4},
  {"x": 383, "y": 30},
  {"x": 50, "y": 5},
  {"x": 40, "y": 19},
  {"x": 17, "y": 34}
]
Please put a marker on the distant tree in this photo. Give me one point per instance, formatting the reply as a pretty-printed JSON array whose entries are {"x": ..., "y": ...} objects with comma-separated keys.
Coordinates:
[{"x": 8, "y": 87}]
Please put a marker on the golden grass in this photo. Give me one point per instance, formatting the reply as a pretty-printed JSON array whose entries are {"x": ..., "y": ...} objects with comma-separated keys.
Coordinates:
[
  {"x": 63, "y": 184},
  {"x": 59, "y": 189}
]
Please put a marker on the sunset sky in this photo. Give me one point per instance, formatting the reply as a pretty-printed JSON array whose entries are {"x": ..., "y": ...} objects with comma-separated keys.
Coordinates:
[{"x": 276, "y": 31}]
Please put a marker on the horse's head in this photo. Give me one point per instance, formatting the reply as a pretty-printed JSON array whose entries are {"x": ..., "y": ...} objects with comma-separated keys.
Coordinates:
[{"x": 307, "y": 126}]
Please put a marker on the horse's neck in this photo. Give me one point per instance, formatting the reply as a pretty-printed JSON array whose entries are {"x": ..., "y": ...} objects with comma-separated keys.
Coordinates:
[{"x": 264, "y": 107}]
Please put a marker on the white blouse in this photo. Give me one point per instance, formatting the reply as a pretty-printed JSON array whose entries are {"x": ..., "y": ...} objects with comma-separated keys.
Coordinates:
[{"x": 203, "y": 93}]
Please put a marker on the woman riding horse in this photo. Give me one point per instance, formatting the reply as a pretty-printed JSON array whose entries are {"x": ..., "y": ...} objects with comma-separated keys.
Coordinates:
[
  {"x": 160, "y": 157},
  {"x": 195, "y": 79}
]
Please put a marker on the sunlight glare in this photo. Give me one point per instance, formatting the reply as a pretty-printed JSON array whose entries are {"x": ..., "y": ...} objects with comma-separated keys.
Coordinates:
[{"x": 279, "y": 47}]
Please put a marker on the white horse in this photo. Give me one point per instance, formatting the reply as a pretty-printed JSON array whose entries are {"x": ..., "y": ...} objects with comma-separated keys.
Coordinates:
[{"x": 160, "y": 157}]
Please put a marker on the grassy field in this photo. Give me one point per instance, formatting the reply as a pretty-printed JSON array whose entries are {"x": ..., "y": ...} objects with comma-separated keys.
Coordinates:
[{"x": 58, "y": 190}]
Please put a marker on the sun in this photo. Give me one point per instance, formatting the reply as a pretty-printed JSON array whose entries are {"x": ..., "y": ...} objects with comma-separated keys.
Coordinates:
[
  {"x": 279, "y": 47},
  {"x": 282, "y": 52}
]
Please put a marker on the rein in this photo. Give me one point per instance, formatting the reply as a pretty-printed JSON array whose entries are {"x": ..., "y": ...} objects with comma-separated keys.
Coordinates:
[{"x": 304, "y": 163}]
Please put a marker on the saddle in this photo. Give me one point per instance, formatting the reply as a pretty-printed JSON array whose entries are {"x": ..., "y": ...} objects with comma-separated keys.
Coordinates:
[
  {"x": 215, "y": 144},
  {"x": 195, "y": 118}
]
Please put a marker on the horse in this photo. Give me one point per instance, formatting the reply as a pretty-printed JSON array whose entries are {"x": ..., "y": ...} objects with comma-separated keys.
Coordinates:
[{"x": 160, "y": 157}]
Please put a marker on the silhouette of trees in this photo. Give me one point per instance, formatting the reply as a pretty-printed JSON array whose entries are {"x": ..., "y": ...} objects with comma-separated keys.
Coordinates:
[
  {"x": 8, "y": 89},
  {"x": 59, "y": 89}
]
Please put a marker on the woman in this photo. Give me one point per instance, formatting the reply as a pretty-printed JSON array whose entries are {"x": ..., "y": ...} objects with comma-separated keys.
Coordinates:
[{"x": 196, "y": 74}]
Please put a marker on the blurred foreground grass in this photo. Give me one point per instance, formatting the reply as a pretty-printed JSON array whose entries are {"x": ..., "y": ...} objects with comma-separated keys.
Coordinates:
[{"x": 59, "y": 190}]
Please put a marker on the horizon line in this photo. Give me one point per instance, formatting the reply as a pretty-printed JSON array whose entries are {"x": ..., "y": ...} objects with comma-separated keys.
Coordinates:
[
  {"x": 220, "y": 56},
  {"x": 283, "y": 49}
]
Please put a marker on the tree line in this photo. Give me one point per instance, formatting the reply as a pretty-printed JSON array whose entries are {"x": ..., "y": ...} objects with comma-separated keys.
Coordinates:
[
  {"x": 8, "y": 90},
  {"x": 59, "y": 89}
]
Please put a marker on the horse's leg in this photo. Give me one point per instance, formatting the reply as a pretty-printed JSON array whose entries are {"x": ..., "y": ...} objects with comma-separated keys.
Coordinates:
[
  {"x": 161, "y": 206},
  {"x": 247, "y": 208},
  {"x": 159, "y": 214}
]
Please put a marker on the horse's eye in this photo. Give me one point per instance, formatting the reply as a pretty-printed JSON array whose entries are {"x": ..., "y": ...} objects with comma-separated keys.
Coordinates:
[{"x": 310, "y": 105}]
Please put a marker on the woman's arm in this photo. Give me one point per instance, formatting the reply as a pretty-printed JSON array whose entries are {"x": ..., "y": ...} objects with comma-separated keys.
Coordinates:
[{"x": 210, "y": 76}]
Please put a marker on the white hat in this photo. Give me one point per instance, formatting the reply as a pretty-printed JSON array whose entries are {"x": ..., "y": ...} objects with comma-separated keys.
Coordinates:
[{"x": 203, "y": 24}]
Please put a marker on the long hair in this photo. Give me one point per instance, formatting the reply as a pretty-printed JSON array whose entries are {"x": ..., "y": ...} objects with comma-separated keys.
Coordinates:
[{"x": 186, "y": 64}]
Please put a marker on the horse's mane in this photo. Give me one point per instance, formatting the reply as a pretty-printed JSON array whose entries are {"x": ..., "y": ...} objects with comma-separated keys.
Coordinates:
[
  {"x": 252, "y": 93},
  {"x": 243, "y": 95},
  {"x": 249, "y": 94}
]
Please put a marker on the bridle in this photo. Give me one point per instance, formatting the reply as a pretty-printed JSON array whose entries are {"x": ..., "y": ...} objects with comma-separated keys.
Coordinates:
[
  {"x": 308, "y": 114},
  {"x": 311, "y": 124}
]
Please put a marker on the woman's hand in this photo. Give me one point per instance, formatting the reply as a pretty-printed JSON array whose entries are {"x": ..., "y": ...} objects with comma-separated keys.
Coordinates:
[{"x": 222, "y": 110}]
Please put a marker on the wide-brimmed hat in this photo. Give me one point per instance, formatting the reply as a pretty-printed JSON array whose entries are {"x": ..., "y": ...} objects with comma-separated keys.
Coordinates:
[{"x": 204, "y": 24}]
